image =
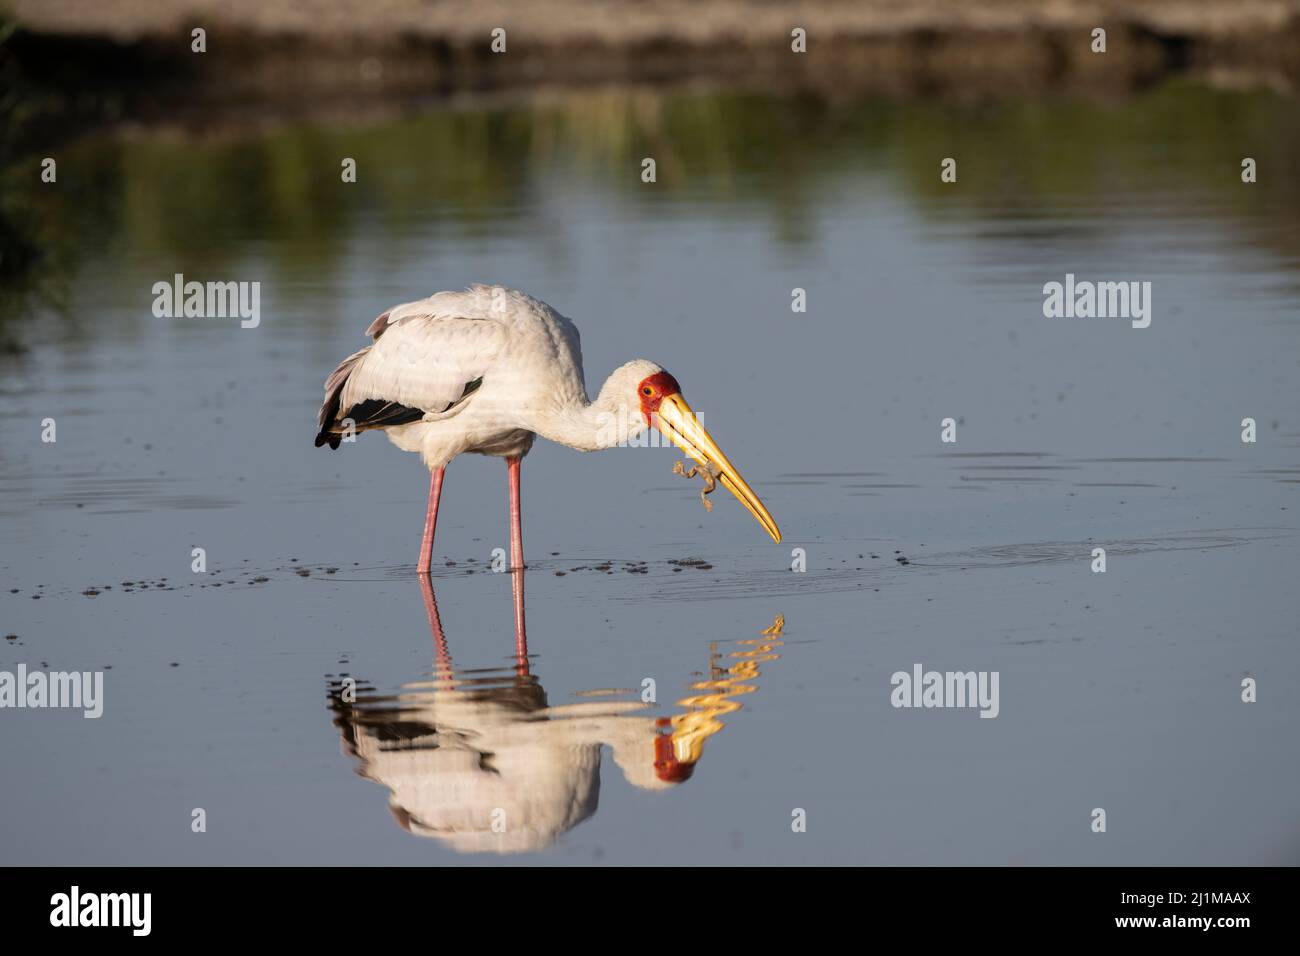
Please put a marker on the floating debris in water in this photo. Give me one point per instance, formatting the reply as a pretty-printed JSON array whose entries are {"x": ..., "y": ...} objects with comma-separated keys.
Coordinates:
[{"x": 698, "y": 563}]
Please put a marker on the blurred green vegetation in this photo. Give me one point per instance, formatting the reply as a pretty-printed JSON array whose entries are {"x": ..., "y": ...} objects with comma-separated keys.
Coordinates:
[{"x": 200, "y": 197}]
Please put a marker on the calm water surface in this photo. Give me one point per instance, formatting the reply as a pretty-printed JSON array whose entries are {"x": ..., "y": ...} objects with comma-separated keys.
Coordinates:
[{"x": 684, "y": 692}]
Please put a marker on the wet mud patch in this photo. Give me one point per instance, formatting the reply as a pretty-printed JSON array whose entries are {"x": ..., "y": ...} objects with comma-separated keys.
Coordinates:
[{"x": 1051, "y": 552}]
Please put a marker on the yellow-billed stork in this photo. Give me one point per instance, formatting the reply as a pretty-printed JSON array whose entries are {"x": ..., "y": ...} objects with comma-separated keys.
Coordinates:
[{"x": 485, "y": 371}]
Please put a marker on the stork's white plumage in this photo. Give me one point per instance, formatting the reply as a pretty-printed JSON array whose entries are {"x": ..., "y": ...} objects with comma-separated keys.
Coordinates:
[{"x": 486, "y": 370}]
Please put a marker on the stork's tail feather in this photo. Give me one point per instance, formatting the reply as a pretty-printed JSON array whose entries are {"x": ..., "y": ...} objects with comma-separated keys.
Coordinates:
[
  {"x": 363, "y": 415},
  {"x": 329, "y": 410}
]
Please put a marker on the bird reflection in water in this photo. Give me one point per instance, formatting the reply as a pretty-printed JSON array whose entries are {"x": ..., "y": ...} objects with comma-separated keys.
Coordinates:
[{"x": 478, "y": 760}]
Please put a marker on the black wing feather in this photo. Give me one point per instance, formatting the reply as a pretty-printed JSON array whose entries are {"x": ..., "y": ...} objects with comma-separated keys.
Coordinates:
[{"x": 372, "y": 413}]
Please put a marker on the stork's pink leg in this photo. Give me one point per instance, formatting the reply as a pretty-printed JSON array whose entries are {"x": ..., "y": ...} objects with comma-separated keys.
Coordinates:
[
  {"x": 517, "y": 562},
  {"x": 516, "y": 529},
  {"x": 430, "y": 522}
]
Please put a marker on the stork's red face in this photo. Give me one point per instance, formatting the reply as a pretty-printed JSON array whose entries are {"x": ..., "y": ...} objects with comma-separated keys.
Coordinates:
[
  {"x": 652, "y": 391},
  {"x": 664, "y": 408}
]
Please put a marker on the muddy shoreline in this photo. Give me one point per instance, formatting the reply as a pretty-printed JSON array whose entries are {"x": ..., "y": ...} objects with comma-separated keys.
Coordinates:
[{"x": 319, "y": 59}]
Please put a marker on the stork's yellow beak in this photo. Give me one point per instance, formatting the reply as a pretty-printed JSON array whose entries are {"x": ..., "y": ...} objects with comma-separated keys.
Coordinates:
[{"x": 679, "y": 424}]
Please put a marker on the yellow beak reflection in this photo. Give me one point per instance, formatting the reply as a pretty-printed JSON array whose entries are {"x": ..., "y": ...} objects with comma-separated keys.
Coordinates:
[{"x": 678, "y": 423}]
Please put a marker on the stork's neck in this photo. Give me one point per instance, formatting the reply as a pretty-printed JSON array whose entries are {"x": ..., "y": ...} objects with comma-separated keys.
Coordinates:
[{"x": 592, "y": 425}]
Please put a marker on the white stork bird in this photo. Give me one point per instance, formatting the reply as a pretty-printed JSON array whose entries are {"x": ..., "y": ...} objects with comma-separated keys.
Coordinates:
[{"x": 485, "y": 371}]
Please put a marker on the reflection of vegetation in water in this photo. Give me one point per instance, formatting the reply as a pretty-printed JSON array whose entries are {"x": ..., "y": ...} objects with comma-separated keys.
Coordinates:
[
  {"x": 198, "y": 203},
  {"x": 1028, "y": 155},
  {"x": 20, "y": 255},
  {"x": 40, "y": 222},
  {"x": 33, "y": 247}
]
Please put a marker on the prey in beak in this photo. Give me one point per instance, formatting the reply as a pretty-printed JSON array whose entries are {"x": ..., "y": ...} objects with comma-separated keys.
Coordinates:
[{"x": 665, "y": 409}]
